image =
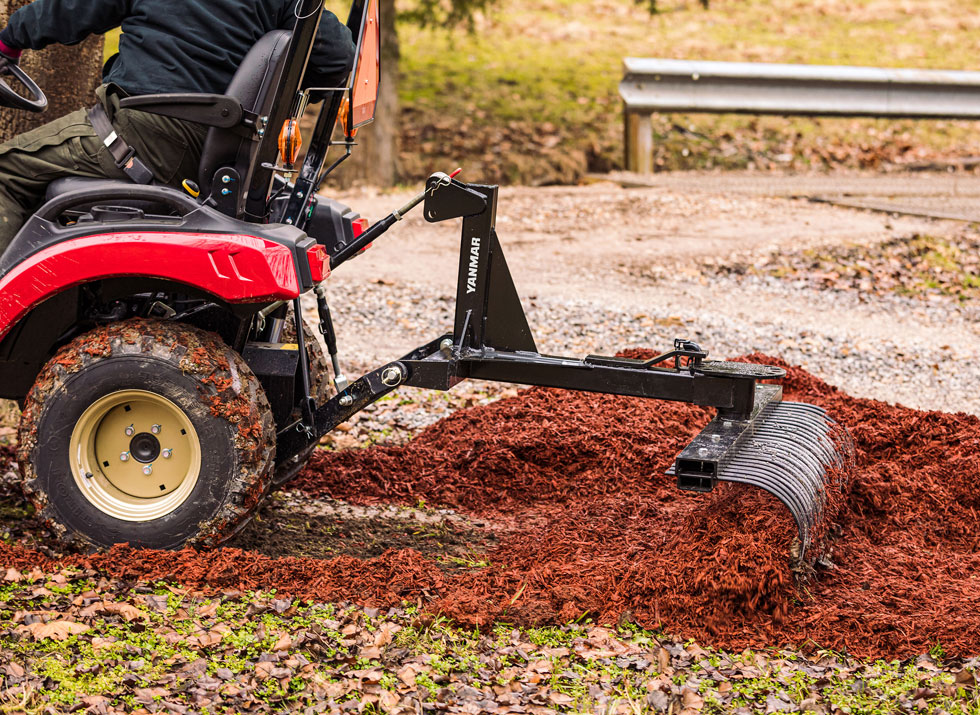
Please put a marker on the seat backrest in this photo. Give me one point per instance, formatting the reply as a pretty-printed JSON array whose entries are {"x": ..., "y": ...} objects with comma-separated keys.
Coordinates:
[{"x": 251, "y": 85}]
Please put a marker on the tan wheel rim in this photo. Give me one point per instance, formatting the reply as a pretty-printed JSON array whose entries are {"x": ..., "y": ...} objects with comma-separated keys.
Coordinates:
[{"x": 135, "y": 455}]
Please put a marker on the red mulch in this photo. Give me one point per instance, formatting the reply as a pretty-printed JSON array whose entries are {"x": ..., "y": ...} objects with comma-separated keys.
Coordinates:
[{"x": 593, "y": 526}]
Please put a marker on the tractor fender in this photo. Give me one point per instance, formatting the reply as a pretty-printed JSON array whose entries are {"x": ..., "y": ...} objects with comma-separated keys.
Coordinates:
[{"x": 235, "y": 268}]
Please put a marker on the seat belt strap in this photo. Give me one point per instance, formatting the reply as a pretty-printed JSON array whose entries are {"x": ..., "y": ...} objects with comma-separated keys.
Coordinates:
[{"x": 122, "y": 153}]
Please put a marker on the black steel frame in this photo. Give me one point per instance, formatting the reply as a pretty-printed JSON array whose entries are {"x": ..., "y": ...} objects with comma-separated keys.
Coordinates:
[{"x": 492, "y": 340}]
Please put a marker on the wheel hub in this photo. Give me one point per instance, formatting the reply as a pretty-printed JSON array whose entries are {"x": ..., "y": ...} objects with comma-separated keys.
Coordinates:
[
  {"x": 135, "y": 455},
  {"x": 145, "y": 448}
]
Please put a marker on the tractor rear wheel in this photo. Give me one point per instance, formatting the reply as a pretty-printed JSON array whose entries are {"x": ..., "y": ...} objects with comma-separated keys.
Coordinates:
[
  {"x": 321, "y": 389},
  {"x": 147, "y": 432}
]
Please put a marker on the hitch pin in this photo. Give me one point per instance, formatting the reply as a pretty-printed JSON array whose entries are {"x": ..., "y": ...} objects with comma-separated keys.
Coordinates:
[{"x": 442, "y": 179}]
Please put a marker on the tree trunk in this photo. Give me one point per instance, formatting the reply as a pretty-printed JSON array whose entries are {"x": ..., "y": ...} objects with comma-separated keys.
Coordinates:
[
  {"x": 68, "y": 76},
  {"x": 375, "y": 158}
]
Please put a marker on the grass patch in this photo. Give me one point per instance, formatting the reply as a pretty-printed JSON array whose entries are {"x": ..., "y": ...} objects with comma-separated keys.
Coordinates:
[
  {"x": 542, "y": 79},
  {"x": 531, "y": 96}
]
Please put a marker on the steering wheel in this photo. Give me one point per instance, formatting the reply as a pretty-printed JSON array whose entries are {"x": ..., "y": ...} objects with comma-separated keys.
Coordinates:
[{"x": 9, "y": 98}]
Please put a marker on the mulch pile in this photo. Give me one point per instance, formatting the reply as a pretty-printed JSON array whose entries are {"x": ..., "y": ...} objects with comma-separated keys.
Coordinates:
[{"x": 590, "y": 526}]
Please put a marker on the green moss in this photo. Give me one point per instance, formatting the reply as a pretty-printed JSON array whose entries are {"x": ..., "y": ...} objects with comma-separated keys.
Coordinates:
[{"x": 111, "y": 43}]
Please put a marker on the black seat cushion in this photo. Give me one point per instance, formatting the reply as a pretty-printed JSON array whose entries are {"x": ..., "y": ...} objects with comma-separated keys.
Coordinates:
[{"x": 76, "y": 183}]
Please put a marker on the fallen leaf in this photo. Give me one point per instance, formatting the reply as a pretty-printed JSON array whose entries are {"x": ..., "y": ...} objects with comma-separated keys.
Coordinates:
[
  {"x": 264, "y": 669},
  {"x": 691, "y": 700},
  {"x": 128, "y": 612},
  {"x": 56, "y": 630},
  {"x": 389, "y": 701},
  {"x": 966, "y": 679},
  {"x": 385, "y": 634},
  {"x": 370, "y": 653},
  {"x": 407, "y": 675},
  {"x": 157, "y": 603},
  {"x": 206, "y": 610},
  {"x": 560, "y": 698}
]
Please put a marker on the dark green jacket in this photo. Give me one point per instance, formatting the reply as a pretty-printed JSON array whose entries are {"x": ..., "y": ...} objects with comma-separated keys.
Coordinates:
[{"x": 178, "y": 45}]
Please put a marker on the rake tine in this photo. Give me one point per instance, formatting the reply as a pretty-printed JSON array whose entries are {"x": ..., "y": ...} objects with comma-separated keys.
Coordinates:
[
  {"x": 767, "y": 478},
  {"x": 785, "y": 448}
]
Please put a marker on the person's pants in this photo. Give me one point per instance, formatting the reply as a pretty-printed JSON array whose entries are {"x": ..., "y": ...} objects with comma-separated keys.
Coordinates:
[{"x": 70, "y": 147}]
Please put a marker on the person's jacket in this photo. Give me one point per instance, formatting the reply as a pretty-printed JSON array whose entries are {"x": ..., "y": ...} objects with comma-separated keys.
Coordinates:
[{"x": 179, "y": 45}]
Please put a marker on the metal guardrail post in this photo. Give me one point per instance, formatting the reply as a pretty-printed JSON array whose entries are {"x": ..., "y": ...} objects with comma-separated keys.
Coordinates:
[
  {"x": 639, "y": 141},
  {"x": 661, "y": 85}
]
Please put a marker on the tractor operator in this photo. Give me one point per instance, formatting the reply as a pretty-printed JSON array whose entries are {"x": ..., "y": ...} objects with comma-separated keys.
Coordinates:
[{"x": 186, "y": 46}]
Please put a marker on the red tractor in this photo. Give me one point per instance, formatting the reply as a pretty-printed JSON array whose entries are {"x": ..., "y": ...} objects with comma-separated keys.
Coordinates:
[{"x": 155, "y": 341}]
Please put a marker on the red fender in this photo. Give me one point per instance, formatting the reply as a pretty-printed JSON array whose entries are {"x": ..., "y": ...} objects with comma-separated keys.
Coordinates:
[{"x": 236, "y": 269}]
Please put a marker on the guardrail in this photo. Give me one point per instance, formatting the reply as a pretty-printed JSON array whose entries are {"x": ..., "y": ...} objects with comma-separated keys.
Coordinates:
[{"x": 661, "y": 85}]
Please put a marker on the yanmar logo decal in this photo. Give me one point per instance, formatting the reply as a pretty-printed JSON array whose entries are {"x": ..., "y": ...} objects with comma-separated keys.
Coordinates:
[{"x": 474, "y": 265}]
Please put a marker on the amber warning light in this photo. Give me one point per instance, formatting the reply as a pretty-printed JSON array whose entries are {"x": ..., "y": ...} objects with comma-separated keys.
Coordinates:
[
  {"x": 290, "y": 142},
  {"x": 366, "y": 77}
]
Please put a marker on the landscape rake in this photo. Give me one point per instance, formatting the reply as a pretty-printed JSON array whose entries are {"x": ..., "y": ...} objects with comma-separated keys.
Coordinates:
[
  {"x": 789, "y": 449},
  {"x": 156, "y": 341}
]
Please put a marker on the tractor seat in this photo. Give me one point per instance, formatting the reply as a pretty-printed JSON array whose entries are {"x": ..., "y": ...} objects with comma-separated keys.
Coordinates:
[{"x": 251, "y": 85}]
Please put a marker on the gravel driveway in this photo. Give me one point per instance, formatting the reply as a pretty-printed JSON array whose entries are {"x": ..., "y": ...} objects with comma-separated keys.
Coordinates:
[{"x": 602, "y": 267}]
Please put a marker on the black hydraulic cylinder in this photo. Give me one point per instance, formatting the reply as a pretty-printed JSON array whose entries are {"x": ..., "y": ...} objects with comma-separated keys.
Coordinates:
[{"x": 363, "y": 241}]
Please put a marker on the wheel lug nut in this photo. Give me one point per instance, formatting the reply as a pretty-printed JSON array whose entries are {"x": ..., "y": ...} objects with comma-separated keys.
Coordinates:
[
  {"x": 166, "y": 453},
  {"x": 130, "y": 431},
  {"x": 155, "y": 429},
  {"x": 148, "y": 469},
  {"x": 124, "y": 457}
]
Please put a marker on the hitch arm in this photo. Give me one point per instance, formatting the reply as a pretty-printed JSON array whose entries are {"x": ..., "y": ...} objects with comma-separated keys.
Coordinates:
[{"x": 358, "y": 395}]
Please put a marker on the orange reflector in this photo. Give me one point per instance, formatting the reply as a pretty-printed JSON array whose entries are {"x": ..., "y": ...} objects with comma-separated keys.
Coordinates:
[
  {"x": 290, "y": 142},
  {"x": 342, "y": 117},
  {"x": 319, "y": 263},
  {"x": 342, "y": 112}
]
